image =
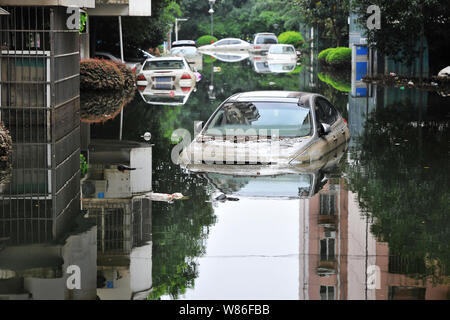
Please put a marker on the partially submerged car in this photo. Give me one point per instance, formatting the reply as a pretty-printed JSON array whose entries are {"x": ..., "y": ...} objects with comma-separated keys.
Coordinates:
[
  {"x": 263, "y": 41},
  {"x": 278, "y": 129},
  {"x": 282, "y": 52},
  {"x": 227, "y": 44},
  {"x": 165, "y": 73}
]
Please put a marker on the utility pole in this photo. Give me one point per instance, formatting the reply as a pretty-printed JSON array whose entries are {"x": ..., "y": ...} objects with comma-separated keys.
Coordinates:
[{"x": 176, "y": 26}]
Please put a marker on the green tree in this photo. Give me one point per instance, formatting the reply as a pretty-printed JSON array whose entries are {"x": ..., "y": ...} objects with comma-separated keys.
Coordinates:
[
  {"x": 403, "y": 22},
  {"x": 331, "y": 16}
]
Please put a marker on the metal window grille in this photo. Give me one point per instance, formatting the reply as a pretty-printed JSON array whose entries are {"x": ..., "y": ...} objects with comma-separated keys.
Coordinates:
[{"x": 39, "y": 104}]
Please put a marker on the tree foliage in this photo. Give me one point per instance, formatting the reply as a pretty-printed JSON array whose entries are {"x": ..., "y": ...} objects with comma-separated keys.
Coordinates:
[
  {"x": 330, "y": 16},
  {"x": 401, "y": 28}
]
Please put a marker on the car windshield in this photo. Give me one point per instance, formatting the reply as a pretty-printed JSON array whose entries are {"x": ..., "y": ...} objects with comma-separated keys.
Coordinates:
[
  {"x": 281, "y": 50},
  {"x": 184, "y": 50},
  {"x": 266, "y": 40},
  {"x": 261, "y": 118},
  {"x": 163, "y": 65}
]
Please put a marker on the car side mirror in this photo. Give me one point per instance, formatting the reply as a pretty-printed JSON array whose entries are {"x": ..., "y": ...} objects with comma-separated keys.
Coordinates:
[
  {"x": 324, "y": 129},
  {"x": 198, "y": 126}
]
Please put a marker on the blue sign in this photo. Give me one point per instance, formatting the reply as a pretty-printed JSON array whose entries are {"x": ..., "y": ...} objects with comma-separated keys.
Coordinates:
[
  {"x": 361, "y": 70},
  {"x": 101, "y": 195},
  {"x": 361, "y": 51}
]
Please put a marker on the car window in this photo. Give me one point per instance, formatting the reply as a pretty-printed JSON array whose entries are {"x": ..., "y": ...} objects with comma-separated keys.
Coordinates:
[
  {"x": 325, "y": 112},
  {"x": 281, "y": 50},
  {"x": 163, "y": 64},
  {"x": 253, "y": 118},
  {"x": 266, "y": 40},
  {"x": 235, "y": 42},
  {"x": 221, "y": 43}
]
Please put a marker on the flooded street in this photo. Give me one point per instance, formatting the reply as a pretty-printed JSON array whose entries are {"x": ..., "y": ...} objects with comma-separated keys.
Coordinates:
[{"x": 373, "y": 224}]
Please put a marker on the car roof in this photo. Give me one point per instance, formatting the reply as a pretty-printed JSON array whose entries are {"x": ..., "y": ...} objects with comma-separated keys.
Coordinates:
[
  {"x": 183, "y": 42},
  {"x": 282, "y": 45},
  {"x": 165, "y": 58},
  {"x": 265, "y": 34},
  {"x": 230, "y": 39},
  {"x": 286, "y": 96}
]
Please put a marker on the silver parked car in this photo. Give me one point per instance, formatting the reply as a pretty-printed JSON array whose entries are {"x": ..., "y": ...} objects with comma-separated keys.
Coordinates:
[
  {"x": 228, "y": 44},
  {"x": 275, "y": 128}
]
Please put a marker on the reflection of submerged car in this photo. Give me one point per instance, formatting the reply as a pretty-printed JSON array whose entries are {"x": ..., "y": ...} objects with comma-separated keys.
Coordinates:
[
  {"x": 166, "y": 73},
  {"x": 176, "y": 95},
  {"x": 282, "y": 52},
  {"x": 228, "y": 44},
  {"x": 279, "y": 128},
  {"x": 229, "y": 56},
  {"x": 281, "y": 67},
  {"x": 254, "y": 182},
  {"x": 260, "y": 64}
]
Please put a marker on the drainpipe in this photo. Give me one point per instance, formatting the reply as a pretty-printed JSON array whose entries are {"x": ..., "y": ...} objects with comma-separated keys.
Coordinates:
[{"x": 123, "y": 60}]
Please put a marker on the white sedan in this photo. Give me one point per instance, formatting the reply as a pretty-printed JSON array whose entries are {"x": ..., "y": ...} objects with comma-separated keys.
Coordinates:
[
  {"x": 228, "y": 44},
  {"x": 165, "y": 73},
  {"x": 282, "y": 52}
]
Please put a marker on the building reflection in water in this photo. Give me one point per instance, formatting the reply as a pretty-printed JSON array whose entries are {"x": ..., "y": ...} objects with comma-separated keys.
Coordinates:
[
  {"x": 119, "y": 172},
  {"x": 340, "y": 259}
]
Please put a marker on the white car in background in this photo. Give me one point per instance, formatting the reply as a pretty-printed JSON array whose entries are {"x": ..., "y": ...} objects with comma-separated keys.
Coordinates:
[
  {"x": 263, "y": 41},
  {"x": 165, "y": 73},
  {"x": 227, "y": 44},
  {"x": 282, "y": 52},
  {"x": 191, "y": 54}
]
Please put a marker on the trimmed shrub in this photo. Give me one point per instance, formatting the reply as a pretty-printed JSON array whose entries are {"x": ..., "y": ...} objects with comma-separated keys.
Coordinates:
[
  {"x": 323, "y": 55},
  {"x": 128, "y": 75},
  {"x": 101, "y": 74},
  {"x": 339, "y": 57},
  {"x": 205, "y": 40},
  {"x": 99, "y": 108},
  {"x": 291, "y": 37},
  {"x": 337, "y": 82}
]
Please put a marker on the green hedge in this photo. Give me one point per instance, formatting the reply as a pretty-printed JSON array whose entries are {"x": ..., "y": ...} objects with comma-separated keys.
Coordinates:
[
  {"x": 323, "y": 55},
  {"x": 204, "y": 40},
  {"x": 291, "y": 37},
  {"x": 336, "y": 57}
]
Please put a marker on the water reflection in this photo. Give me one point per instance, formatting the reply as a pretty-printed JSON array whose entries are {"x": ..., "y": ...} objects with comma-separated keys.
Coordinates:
[{"x": 175, "y": 94}]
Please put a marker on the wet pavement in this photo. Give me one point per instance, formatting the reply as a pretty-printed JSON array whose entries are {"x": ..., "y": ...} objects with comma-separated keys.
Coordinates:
[{"x": 372, "y": 221}]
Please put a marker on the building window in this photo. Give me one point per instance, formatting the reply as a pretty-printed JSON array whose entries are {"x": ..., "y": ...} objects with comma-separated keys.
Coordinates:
[
  {"x": 327, "y": 249},
  {"x": 327, "y": 204},
  {"x": 327, "y": 293}
]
